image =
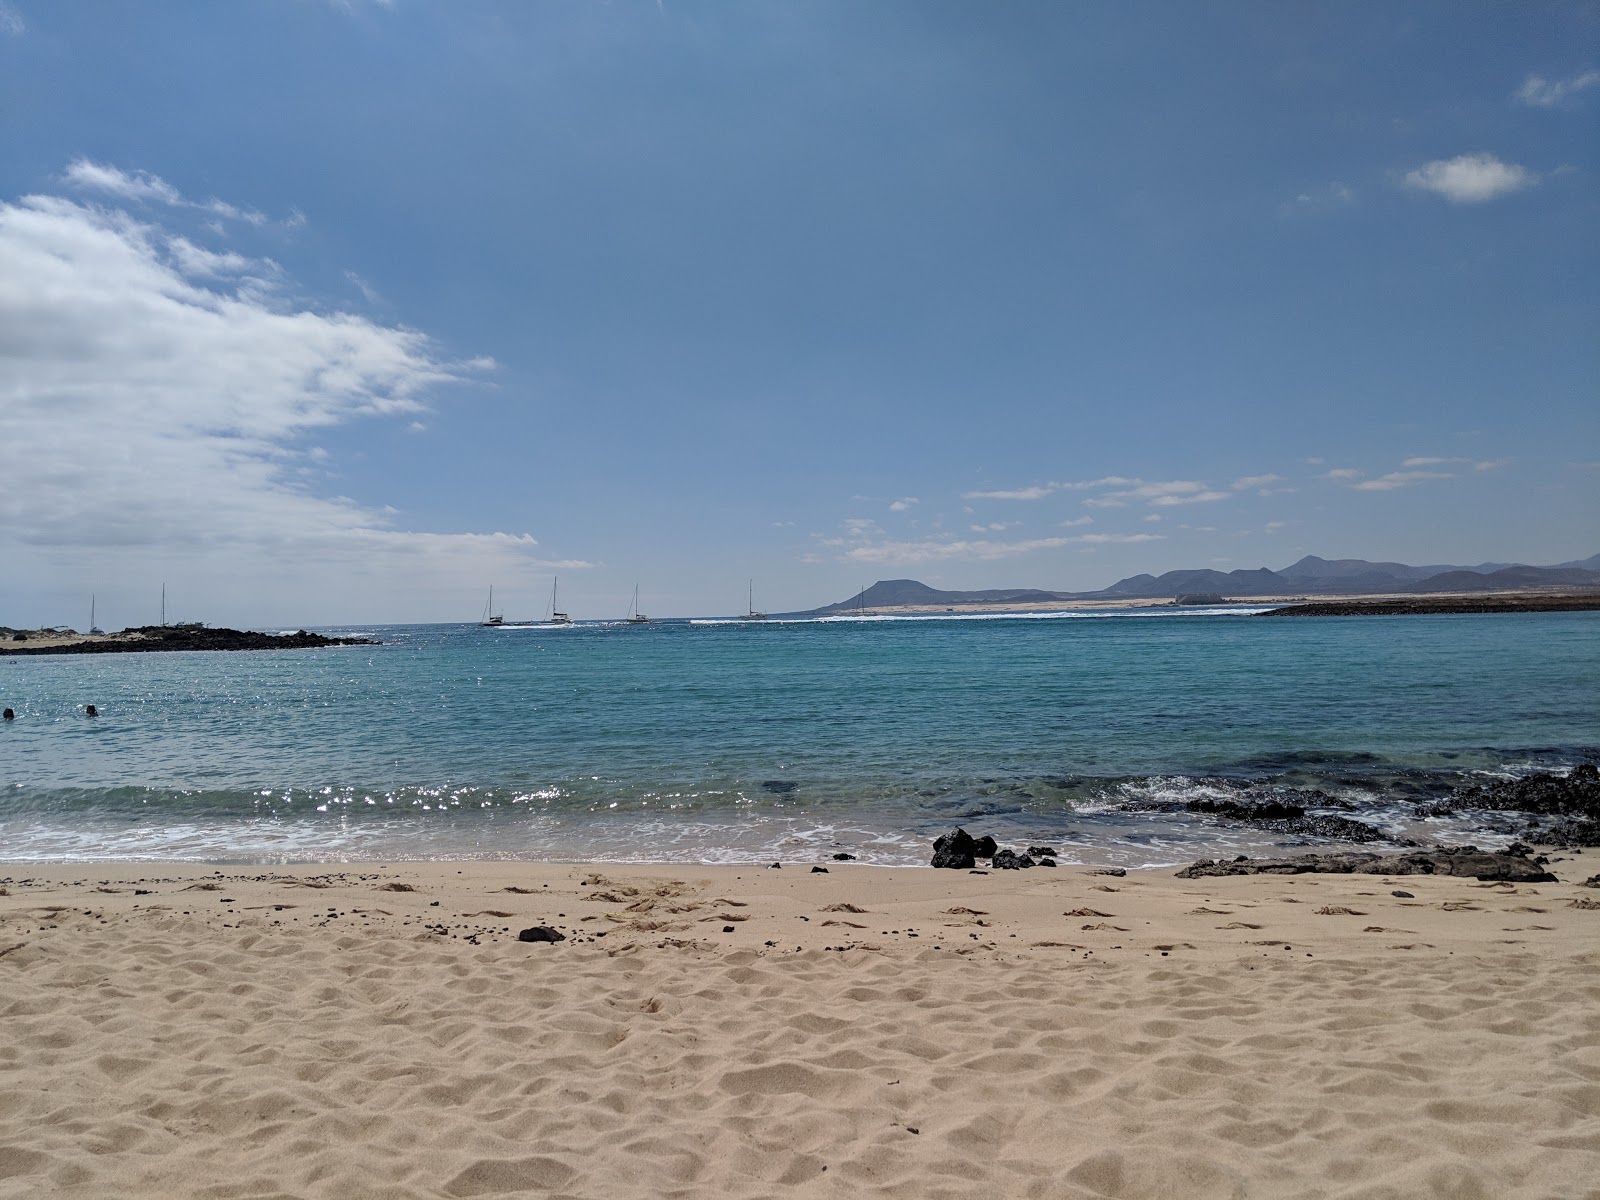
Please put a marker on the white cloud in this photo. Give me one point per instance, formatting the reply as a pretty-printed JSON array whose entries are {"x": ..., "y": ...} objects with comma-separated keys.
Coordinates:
[
  {"x": 11, "y": 21},
  {"x": 1038, "y": 492},
  {"x": 902, "y": 504},
  {"x": 912, "y": 553},
  {"x": 1255, "y": 481},
  {"x": 1425, "y": 461},
  {"x": 1540, "y": 92},
  {"x": 142, "y": 186},
  {"x": 1342, "y": 473},
  {"x": 1159, "y": 494},
  {"x": 1325, "y": 198},
  {"x": 1399, "y": 479},
  {"x": 368, "y": 292},
  {"x": 1076, "y": 521},
  {"x": 153, "y": 415},
  {"x": 1471, "y": 178}
]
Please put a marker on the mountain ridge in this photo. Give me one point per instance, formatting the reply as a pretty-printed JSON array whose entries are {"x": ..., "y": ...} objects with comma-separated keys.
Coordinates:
[{"x": 1342, "y": 576}]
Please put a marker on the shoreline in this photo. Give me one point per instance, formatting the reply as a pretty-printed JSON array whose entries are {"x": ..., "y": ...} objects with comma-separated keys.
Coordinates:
[
  {"x": 155, "y": 639},
  {"x": 326, "y": 1031}
]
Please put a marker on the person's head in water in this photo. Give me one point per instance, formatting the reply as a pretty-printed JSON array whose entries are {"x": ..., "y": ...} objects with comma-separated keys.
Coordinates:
[
  {"x": 91, "y": 711},
  {"x": 8, "y": 715}
]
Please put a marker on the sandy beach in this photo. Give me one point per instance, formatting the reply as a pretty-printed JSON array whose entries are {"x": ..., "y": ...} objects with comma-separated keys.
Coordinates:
[{"x": 723, "y": 1031}]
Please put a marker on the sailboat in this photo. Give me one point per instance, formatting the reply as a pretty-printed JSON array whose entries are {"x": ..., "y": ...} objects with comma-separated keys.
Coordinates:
[
  {"x": 635, "y": 617},
  {"x": 490, "y": 617},
  {"x": 750, "y": 606},
  {"x": 557, "y": 617},
  {"x": 861, "y": 600},
  {"x": 93, "y": 628},
  {"x": 494, "y": 620}
]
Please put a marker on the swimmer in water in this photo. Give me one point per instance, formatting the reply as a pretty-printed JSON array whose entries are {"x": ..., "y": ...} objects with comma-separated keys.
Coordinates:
[
  {"x": 90, "y": 711},
  {"x": 9, "y": 715}
]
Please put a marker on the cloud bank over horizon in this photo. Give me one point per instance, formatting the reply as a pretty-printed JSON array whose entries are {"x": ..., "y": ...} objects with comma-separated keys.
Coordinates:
[{"x": 161, "y": 404}]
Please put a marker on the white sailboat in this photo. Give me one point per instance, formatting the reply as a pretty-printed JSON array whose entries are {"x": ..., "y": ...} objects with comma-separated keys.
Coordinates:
[
  {"x": 750, "y": 606},
  {"x": 490, "y": 617},
  {"x": 557, "y": 617},
  {"x": 635, "y": 617},
  {"x": 93, "y": 628}
]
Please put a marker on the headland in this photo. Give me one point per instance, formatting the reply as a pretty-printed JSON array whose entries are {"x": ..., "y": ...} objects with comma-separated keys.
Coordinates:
[{"x": 156, "y": 638}]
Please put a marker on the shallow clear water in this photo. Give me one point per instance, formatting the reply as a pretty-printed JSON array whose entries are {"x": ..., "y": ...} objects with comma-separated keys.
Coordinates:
[{"x": 730, "y": 741}]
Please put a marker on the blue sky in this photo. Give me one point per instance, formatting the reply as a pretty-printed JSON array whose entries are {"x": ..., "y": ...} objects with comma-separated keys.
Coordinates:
[{"x": 342, "y": 311}]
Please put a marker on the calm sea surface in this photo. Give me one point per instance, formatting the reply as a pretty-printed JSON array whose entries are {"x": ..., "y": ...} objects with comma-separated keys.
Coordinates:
[{"x": 745, "y": 742}]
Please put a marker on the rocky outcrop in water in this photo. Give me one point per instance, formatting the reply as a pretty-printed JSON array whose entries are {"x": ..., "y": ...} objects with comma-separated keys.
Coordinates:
[
  {"x": 1512, "y": 865},
  {"x": 1290, "y": 819},
  {"x": 155, "y": 638},
  {"x": 1567, "y": 806}
]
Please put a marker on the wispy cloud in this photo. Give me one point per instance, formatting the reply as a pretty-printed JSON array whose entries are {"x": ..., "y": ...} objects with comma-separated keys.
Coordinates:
[
  {"x": 1539, "y": 92},
  {"x": 1160, "y": 494},
  {"x": 1342, "y": 473},
  {"x": 1398, "y": 479},
  {"x": 1037, "y": 492},
  {"x": 903, "y": 504},
  {"x": 11, "y": 22},
  {"x": 157, "y": 402},
  {"x": 144, "y": 187},
  {"x": 1470, "y": 178},
  {"x": 864, "y": 543},
  {"x": 1255, "y": 481}
]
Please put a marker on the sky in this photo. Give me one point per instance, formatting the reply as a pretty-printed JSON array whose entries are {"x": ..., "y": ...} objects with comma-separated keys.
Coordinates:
[{"x": 342, "y": 311}]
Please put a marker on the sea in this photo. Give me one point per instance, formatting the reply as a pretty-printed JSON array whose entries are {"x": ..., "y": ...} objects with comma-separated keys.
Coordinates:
[{"x": 713, "y": 741}]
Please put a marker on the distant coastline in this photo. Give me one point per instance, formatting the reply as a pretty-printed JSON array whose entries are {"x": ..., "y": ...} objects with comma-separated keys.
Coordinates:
[
  {"x": 159, "y": 638},
  {"x": 1410, "y": 605}
]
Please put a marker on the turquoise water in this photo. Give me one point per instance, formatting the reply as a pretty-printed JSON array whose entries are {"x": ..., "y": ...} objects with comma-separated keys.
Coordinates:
[{"x": 730, "y": 741}]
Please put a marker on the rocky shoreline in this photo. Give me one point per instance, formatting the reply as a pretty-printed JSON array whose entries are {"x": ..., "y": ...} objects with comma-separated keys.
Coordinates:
[
  {"x": 1578, "y": 602},
  {"x": 158, "y": 638},
  {"x": 1562, "y": 811}
]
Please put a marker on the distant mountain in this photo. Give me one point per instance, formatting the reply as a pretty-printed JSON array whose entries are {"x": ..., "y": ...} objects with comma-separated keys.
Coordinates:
[
  {"x": 894, "y": 593},
  {"x": 1340, "y": 576},
  {"x": 1351, "y": 576}
]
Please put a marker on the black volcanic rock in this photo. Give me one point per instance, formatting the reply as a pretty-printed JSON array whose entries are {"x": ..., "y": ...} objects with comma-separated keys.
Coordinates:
[
  {"x": 1573, "y": 801},
  {"x": 1465, "y": 862},
  {"x": 1289, "y": 819},
  {"x": 1010, "y": 860},
  {"x": 956, "y": 850},
  {"x": 156, "y": 638}
]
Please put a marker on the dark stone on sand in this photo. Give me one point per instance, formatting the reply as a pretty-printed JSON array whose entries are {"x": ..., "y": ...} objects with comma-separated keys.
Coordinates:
[
  {"x": 844, "y": 858},
  {"x": 956, "y": 850},
  {"x": 541, "y": 933},
  {"x": 819, "y": 870},
  {"x": 1403, "y": 895},
  {"x": 1042, "y": 851},
  {"x": 1463, "y": 862},
  {"x": 1116, "y": 872},
  {"x": 775, "y": 866},
  {"x": 1010, "y": 860}
]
